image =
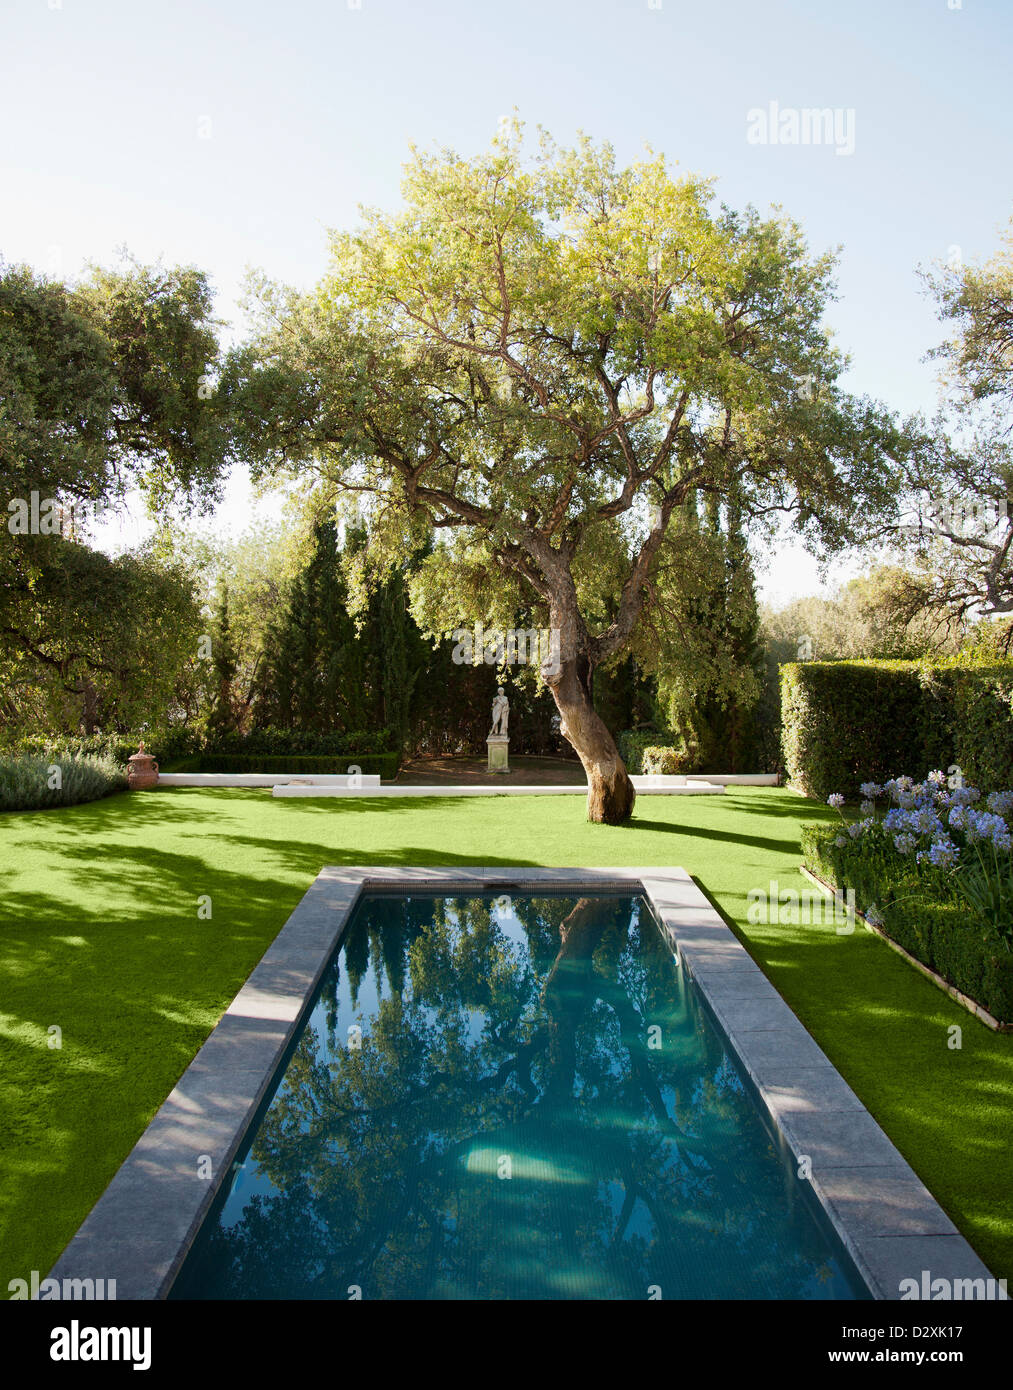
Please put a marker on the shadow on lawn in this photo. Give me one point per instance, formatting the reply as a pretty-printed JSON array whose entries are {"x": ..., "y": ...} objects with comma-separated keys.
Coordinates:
[
  {"x": 177, "y": 880},
  {"x": 703, "y": 832},
  {"x": 778, "y": 802},
  {"x": 144, "y": 989}
]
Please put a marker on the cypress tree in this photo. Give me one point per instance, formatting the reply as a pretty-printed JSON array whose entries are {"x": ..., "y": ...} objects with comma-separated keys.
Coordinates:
[
  {"x": 728, "y": 624},
  {"x": 401, "y": 661},
  {"x": 222, "y": 719}
]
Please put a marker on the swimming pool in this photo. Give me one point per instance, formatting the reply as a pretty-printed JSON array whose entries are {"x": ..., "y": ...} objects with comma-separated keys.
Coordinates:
[{"x": 512, "y": 1097}]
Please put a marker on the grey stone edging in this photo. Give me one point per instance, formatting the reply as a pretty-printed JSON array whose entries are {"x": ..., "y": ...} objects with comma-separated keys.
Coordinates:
[{"x": 143, "y": 1225}]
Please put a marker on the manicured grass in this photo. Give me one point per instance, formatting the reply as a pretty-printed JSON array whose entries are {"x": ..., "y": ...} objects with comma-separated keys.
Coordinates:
[{"x": 100, "y": 936}]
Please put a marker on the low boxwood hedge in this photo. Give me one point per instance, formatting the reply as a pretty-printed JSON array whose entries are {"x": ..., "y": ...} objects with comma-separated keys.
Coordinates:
[
  {"x": 384, "y": 764},
  {"x": 919, "y": 910},
  {"x": 261, "y": 750},
  {"x": 304, "y": 742}
]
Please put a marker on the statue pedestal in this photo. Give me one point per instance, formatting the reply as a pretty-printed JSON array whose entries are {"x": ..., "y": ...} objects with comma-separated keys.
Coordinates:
[{"x": 499, "y": 747}]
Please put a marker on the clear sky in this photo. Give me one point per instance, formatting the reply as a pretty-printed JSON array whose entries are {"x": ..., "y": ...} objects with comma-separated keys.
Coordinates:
[{"x": 232, "y": 133}]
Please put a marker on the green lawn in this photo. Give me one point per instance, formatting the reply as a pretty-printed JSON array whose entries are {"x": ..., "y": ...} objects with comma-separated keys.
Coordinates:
[{"x": 100, "y": 936}]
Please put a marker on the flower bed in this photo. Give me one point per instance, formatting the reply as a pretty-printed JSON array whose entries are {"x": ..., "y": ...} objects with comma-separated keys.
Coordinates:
[{"x": 933, "y": 869}]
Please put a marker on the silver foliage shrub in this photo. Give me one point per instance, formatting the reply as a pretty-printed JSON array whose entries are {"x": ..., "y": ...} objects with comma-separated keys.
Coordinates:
[{"x": 31, "y": 784}]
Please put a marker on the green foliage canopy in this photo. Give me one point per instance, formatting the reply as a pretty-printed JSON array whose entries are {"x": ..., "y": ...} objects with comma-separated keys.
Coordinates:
[{"x": 539, "y": 354}]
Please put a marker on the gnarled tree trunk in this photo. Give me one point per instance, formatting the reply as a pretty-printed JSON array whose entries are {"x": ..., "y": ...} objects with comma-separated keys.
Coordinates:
[
  {"x": 89, "y": 706},
  {"x": 610, "y": 793}
]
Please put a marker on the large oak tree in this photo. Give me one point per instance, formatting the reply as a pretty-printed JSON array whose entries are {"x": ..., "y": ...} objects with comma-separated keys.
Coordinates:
[
  {"x": 955, "y": 530},
  {"x": 541, "y": 360},
  {"x": 104, "y": 386}
]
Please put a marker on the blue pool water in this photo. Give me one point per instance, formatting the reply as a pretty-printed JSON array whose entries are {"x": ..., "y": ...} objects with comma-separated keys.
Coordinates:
[{"x": 514, "y": 1098}]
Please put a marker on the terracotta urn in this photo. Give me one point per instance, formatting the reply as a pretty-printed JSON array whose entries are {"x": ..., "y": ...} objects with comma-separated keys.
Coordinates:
[{"x": 142, "y": 770}]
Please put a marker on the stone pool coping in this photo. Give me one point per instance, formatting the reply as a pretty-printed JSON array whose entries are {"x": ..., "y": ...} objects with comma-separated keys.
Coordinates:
[{"x": 141, "y": 1228}]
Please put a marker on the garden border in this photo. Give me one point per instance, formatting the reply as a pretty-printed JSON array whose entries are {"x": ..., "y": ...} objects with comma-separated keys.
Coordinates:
[{"x": 940, "y": 981}]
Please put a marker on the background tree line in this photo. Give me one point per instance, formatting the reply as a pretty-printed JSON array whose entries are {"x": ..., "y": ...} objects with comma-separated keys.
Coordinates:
[{"x": 338, "y": 620}]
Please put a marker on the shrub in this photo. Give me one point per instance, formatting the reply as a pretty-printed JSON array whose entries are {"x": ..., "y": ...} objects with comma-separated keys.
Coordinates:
[
  {"x": 938, "y": 931},
  {"x": 182, "y": 750},
  {"x": 845, "y": 720},
  {"x": 631, "y": 744},
  {"x": 166, "y": 745},
  {"x": 26, "y": 781},
  {"x": 665, "y": 747},
  {"x": 666, "y": 760}
]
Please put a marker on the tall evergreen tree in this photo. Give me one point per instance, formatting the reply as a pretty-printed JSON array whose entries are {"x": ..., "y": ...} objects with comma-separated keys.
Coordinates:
[
  {"x": 222, "y": 719},
  {"x": 318, "y": 671},
  {"x": 720, "y": 712},
  {"x": 403, "y": 657},
  {"x": 703, "y": 644}
]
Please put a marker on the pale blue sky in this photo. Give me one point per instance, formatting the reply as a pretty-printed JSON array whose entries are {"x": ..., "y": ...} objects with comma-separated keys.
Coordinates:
[{"x": 233, "y": 132}]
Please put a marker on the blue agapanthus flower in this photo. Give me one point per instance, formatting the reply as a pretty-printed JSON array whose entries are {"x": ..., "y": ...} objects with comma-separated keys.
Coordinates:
[
  {"x": 983, "y": 825},
  {"x": 942, "y": 853}
]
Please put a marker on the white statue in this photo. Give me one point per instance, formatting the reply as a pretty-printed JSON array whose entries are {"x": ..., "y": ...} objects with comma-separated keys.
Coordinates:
[{"x": 500, "y": 714}]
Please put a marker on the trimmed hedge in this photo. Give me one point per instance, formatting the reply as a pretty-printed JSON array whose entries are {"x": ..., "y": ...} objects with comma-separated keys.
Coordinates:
[
  {"x": 287, "y": 742},
  {"x": 262, "y": 750},
  {"x": 665, "y": 760},
  {"x": 922, "y": 913},
  {"x": 846, "y": 722},
  {"x": 651, "y": 751},
  {"x": 980, "y": 702},
  {"x": 25, "y": 781},
  {"x": 385, "y": 764}
]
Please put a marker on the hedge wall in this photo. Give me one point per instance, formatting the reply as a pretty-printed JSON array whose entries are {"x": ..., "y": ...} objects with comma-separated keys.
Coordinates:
[
  {"x": 385, "y": 764},
  {"x": 282, "y": 742},
  {"x": 921, "y": 914},
  {"x": 847, "y": 722},
  {"x": 980, "y": 704}
]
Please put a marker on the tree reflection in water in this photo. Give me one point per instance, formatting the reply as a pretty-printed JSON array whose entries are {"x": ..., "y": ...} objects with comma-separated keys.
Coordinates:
[{"x": 539, "y": 1108}]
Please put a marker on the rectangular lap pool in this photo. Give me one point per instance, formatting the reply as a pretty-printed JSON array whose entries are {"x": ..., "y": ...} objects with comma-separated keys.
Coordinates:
[{"x": 514, "y": 1097}]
